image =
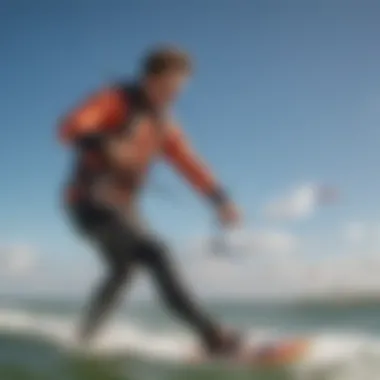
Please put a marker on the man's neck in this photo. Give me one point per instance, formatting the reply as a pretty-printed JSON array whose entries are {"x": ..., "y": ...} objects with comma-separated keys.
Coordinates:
[
  {"x": 146, "y": 99},
  {"x": 150, "y": 96}
]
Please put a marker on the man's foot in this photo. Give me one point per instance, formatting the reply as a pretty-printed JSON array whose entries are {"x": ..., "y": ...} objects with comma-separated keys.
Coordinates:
[
  {"x": 84, "y": 336},
  {"x": 224, "y": 343}
]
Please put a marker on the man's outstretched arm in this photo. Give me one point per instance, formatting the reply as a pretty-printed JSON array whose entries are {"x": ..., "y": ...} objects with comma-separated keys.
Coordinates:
[{"x": 180, "y": 154}]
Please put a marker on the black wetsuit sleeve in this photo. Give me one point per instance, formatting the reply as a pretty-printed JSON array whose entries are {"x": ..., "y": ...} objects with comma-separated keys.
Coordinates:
[{"x": 92, "y": 142}]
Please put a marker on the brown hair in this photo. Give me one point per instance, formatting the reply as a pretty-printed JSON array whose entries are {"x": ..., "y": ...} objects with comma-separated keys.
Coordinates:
[{"x": 166, "y": 59}]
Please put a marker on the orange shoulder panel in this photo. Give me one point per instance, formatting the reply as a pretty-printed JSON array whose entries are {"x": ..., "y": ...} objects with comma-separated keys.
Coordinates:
[
  {"x": 178, "y": 151},
  {"x": 103, "y": 110}
]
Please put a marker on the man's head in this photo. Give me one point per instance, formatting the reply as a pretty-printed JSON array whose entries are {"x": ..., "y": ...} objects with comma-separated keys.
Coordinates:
[{"x": 164, "y": 73}]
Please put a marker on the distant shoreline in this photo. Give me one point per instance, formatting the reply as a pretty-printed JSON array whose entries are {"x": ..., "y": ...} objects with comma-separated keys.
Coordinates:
[{"x": 344, "y": 299}]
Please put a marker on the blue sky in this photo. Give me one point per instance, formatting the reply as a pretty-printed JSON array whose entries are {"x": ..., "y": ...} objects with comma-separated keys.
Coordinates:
[{"x": 285, "y": 92}]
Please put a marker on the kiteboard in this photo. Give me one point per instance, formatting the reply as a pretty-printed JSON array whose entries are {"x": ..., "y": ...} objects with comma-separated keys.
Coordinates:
[{"x": 284, "y": 352}]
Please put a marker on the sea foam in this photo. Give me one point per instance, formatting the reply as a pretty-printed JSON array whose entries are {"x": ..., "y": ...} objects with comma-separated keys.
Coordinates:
[{"x": 331, "y": 356}]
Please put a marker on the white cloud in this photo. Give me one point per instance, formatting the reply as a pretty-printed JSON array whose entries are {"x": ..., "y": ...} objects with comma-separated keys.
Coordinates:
[
  {"x": 270, "y": 262},
  {"x": 299, "y": 203},
  {"x": 275, "y": 263},
  {"x": 256, "y": 263},
  {"x": 355, "y": 232},
  {"x": 251, "y": 241},
  {"x": 17, "y": 260},
  {"x": 363, "y": 234},
  {"x": 268, "y": 241}
]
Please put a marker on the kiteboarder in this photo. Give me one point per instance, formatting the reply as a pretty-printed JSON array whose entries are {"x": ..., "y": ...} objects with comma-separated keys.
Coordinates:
[{"x": 115, "y": 134}]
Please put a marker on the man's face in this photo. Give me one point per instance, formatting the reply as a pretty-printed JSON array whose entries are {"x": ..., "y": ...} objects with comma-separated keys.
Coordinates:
[{"x": 164, "y": 89}]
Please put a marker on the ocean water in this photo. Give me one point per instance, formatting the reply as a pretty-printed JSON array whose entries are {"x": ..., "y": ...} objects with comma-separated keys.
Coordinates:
[{"x": 37, "y": 341}]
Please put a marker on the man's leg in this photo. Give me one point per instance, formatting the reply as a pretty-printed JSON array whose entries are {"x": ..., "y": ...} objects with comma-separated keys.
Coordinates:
[
  {"x": 155, "y": 257},
  {"x": 115, "y": 245},
  {"x": 104, "y": 300}
]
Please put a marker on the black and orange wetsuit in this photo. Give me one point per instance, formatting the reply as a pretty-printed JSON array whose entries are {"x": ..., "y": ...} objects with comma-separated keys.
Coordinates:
[{"x": 123, "y": 113}]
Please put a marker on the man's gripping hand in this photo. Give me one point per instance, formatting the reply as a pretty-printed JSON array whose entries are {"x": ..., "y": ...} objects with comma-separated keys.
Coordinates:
[{"x": 228, "y": 214}]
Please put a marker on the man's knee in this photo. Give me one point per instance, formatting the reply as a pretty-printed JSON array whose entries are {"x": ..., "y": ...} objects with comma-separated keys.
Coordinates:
[
  {"x": 119, "y": 271},
  {"x": 152, "y": 251}
]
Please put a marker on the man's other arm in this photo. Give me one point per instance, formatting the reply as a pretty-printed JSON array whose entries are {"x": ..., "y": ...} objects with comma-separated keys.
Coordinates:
[
  {"x": 96, "y": 114},
  {"x": 178, "y": 151}
]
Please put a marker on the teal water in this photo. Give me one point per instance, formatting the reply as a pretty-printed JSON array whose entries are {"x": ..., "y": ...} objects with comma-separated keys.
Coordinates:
[{"x": 36, "y": 341}]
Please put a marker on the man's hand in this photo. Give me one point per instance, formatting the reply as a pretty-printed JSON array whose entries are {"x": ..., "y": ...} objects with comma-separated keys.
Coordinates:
[{"x": 229, "y": 215}]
